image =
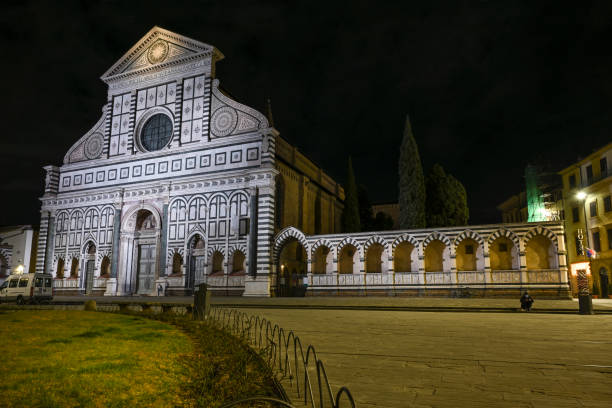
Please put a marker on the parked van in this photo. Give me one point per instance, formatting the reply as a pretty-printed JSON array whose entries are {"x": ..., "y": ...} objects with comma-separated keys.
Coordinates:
[{"x": 27, "y": 288}]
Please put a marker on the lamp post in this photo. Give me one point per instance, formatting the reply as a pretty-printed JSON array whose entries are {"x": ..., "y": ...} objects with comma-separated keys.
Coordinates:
[{"x": 585, "y": 300}]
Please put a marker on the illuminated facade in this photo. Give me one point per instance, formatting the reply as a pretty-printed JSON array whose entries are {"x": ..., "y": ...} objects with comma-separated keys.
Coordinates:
[
  {"x": 590, "y": 215},
  {"x": 176, "y": 184}
]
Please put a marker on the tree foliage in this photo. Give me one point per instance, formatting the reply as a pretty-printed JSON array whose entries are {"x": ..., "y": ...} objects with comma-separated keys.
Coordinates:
[
  {"x": 446, "y": 201},
  {"x": 350, "y": 215},
  {"x": 369, "y": 222},
  {"x": 411, "y": 182}
]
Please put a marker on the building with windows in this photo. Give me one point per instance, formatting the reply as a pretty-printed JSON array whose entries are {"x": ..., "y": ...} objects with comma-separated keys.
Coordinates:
[
  {"x": 162, "y": 193},
  {"x": 587, "y": 192},
  {"x": 178, "y": 184},
  {"x": 17, "y": 250}
]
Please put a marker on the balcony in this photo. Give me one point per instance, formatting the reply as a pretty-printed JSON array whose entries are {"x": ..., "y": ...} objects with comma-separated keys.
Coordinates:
[{"x": 595, "y": 178}]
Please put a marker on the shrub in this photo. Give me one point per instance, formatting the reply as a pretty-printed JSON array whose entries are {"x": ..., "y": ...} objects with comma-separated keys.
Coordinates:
[{"x": 90, "y": 305}]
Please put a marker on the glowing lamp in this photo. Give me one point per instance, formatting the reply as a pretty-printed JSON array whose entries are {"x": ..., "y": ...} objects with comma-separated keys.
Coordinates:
[
  {"x": 19, "y": 269},
  {"x": 575, "y": 267},
  {"x": 581, "y": 195}
]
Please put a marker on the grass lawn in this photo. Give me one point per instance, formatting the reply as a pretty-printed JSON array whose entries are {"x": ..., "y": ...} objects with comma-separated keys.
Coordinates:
[{"x": 58, "y": 358}]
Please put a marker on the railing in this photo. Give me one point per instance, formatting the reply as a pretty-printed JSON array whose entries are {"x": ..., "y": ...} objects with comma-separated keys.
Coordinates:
[
  {"x": 408, "y": 278},
  {"x": 467, "y": 277},
  {"x": 438, "y": 278},
  {"x": 544, "y": 276},
  {"x": 284, "y": 353},
  {"x": 506, "y": 276},
  {"x": 99, "y": 283},
  {"x": 595, "y": 178},
  {"x": 65, "y": 283}
]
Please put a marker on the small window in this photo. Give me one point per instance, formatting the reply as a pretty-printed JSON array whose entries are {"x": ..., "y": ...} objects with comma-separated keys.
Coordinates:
[
  {"x": 607, "y": 203},
  {"x": 596, "y": 241},
  {"x": 13, "y": 283},
  {"x": 575, "y": 214},
  {"x": 503, "y": 247},
  {"x": 48, "y": 283},
  {"x": 23, "y": 283},
  {"x": 38, "y": 282},
  {"x": 589, "y": 174},
  {"x": 244, "y": 226},
  {"x": 593, "y": 208},
  {"x": 603, "y": 167},
  {"x": 469, "y": 249},
  {"x": 562, "y": 215},
  {"x": 572, "y": 181},
  {"x": 609, "y": 231}
]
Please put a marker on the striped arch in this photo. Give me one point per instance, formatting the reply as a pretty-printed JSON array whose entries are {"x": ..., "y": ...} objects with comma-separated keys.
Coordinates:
[
  {"x": 469, "y": 234},
  {"x": 375, "y": 240},
  {"x": 236, "y": 247},
  {"x": 197, "y": 230},
  {"x": 171, "y": 252},
  {"x": 503, "y": 232},
  {"x": 403, "y": 238},
  {"x": 351, "y": 241},
  {"x": 540, "y": 230},
  {"x": 101, "y": 254},
  {"x": 73, "y": 255},
  {"x": 319, "y": 243},
  {"x": 436, "y": 235},
  {"x": 284, "y": 235},
  {"x": 215, "y": 248},
  {"x": 86, "y": 240}
]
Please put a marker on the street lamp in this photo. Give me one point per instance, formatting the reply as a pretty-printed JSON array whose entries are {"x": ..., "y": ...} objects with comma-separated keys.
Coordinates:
[{"x": 585, "y": 300}]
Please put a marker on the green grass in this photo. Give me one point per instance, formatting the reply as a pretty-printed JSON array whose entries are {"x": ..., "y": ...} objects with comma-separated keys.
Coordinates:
[
  {"x": 86, "y": 359},
  {"x": 58, "y": 358}
]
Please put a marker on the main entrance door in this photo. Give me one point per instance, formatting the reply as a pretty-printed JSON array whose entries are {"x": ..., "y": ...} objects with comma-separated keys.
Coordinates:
[
  {"x": 146, "y": 268},
  {"x": 196, "y": 269},
  {"x": 89, "y": 276}
]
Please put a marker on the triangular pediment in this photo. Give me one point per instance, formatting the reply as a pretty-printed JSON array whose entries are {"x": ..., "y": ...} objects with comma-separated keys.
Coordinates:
[{"x": 159, "y": 49}]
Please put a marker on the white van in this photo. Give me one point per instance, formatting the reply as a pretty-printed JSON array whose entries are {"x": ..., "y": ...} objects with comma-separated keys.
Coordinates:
[{"x": 27, "y": 288}]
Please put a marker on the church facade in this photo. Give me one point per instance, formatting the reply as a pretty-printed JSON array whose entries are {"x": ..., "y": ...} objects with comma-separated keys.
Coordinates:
[
  {"x": 178, "y": 184},
  {"x": 164, "y": 190}
]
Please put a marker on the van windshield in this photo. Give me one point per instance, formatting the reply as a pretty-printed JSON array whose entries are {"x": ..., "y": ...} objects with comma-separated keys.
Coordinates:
[{"x": 48, "y": 283}]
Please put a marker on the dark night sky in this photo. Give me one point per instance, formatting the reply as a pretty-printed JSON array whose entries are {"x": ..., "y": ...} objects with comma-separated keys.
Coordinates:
[{"x": 489, "y": 86}]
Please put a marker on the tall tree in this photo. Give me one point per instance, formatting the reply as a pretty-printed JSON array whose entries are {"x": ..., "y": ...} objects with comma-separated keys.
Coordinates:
[
  {"x": 411, "y": 182},
  {"x": 350, "y": 215},
  {"x": 366, "y": 215},
  {"x": 446, "y": 199}
]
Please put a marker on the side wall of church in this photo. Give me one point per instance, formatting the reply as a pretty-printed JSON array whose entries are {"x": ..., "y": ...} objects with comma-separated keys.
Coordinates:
[{"x": 307, "y": 196}]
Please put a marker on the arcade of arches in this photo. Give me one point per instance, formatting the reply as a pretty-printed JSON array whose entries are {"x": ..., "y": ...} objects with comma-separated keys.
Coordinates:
[{"x": 492, "y": 261}]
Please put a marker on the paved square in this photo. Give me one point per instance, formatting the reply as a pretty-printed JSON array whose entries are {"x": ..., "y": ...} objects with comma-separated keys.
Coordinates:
[{"x": 425, "y": 359}]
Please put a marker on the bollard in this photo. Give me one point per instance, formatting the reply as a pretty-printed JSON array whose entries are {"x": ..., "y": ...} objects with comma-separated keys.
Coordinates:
[{"x": 201, "y": 302}]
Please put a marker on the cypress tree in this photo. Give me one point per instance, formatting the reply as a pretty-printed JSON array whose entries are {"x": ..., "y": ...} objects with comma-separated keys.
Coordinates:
[
  {"x": 446, "y": 199},
  {"x": 350, "y": 215},
  {"x": 411, "y": 183}
]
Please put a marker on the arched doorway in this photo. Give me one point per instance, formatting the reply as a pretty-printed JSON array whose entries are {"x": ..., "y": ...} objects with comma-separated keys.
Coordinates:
[
  {"x": 90, "y": 266},
  {"x": 291, "y": 269},
  {"x": 196, "y": 262},
  {"x": 603, "y": 283},
  {"x": 145, "y": 239}
]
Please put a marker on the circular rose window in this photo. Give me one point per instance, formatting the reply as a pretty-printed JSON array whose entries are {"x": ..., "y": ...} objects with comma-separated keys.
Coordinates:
[{"x": 156, "y": 132}]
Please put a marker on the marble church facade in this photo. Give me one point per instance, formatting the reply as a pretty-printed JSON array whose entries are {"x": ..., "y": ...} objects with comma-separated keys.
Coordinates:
[
  {"x": 161, "y": 193},
  {"x": 178, "y": 184}
]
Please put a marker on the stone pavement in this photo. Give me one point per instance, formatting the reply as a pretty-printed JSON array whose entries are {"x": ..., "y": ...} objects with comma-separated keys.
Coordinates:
[
  {"x": 424, "y": 359},
  {"x": 366, "y": 303}
]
